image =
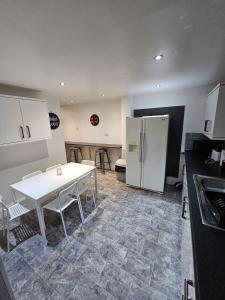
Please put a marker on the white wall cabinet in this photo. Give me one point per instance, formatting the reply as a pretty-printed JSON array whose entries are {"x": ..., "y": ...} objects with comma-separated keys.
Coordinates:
[
  {"x": 214, "y": 127},
  {"x": 23, "y": 120},
  {"x": 36, "y": 119},
  {"x": 11, "y": 122}
]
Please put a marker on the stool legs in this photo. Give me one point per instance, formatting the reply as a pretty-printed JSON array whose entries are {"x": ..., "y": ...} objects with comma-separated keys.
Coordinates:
[
  {"x": 76, "y": 152},
  {"x": 75, "y": 156},
  {"x": 107, "y": 155},
  {"x": 103, "y": 159}
]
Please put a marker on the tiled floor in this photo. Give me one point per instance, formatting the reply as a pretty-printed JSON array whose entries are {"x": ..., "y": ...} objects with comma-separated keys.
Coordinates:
[{"x": 129, "y": 248}]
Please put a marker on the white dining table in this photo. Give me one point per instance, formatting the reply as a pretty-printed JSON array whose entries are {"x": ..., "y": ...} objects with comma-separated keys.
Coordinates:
[{"x": 44, "y": 185}]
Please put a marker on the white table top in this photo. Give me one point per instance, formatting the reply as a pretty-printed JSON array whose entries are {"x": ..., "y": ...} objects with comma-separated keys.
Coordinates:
[{"x": 46, "y": 183}]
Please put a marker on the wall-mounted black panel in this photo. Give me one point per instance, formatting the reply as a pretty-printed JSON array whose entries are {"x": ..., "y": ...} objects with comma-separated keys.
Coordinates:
[{"x": 176, "y": 114}]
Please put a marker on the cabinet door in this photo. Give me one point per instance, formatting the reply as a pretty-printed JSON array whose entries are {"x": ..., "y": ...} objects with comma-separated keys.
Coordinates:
[
  {"x": 210, "y": 113},
  {"x": 36, "y": 119},
  {"x": 154, "y": 153},
  {"x": 133, "y": 151},
  {"x": 11, "y": 123}
]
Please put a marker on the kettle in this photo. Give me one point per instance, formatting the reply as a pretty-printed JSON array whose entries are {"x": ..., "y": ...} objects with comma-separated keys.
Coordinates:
[{"x": 222, "y": 157}]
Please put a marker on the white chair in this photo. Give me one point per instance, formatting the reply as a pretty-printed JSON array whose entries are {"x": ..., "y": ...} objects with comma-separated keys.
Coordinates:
[
  {"x": 31, "y": 174},
  {"x": 70, "y": 195},
  {"x": 53, "y": 167},
  {"x": 83, "y": 185},
  {"x": 88, "y": 162},
  {"x": 13, "y": 211},
  {"x": 65, "y": 198}
]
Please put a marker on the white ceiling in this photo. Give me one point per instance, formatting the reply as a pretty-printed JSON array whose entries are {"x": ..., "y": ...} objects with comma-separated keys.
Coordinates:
[{"x": 107, "y": 46}]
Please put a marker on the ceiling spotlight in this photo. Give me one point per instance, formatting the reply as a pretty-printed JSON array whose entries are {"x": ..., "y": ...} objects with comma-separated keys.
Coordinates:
[
  {"x": 158, "y": 57},
  {"x": 62, "y": 83},
  {"x": 103, "y": 95}
]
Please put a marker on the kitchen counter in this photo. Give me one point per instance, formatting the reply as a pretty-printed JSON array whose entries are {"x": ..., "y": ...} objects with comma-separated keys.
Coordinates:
[
  {"x": 93, "y": 144},
  {"x": 208, "y": 243}
]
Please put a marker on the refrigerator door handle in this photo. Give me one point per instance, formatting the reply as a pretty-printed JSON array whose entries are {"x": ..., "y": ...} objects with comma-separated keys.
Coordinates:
[
  {"x": 143, "y": 146},
  {"x": 140, "y": 146}
]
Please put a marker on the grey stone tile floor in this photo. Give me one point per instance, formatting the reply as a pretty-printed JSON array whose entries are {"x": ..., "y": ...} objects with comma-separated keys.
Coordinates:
[{"x": 128, "y": 248}]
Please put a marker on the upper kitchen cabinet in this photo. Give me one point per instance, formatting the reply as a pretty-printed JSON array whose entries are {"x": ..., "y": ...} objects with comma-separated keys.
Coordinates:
[
  {"x": 214, "y": 127},
  {"x": 11, "y": 122},
  {"x": 23, "y": 120},
  {"x": 36, "y": 119}
]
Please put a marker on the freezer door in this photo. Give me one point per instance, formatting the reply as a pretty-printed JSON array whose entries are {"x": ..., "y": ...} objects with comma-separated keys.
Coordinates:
[
  {"x": 133, "y": 151},
  {"x": 154, "y": 152}
]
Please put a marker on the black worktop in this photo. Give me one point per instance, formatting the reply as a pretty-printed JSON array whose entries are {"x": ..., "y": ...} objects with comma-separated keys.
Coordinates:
[{"x": 208, "y": 243}]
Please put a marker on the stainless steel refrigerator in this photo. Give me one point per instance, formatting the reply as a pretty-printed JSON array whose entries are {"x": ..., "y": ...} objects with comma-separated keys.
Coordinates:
[{"x": 146, "y": 152}]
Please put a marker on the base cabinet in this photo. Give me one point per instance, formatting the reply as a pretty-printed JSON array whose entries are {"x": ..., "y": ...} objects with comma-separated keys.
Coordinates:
[{"x": 187, "y": 267}]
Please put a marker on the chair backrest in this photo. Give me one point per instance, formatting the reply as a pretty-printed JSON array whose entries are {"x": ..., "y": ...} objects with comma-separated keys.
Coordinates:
[
  {"x": 31, "y": 174},
  {"x": 66, "y": 195},
  {"x": 88, "y": 162},
  {"x": 83, "y": 184},
  {"x": 2, "y": 203},
  {"x": 53, "y": 167}
]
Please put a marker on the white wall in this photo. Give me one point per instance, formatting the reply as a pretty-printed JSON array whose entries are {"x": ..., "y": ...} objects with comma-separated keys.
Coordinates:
[
  {"x": 31, "y": 156},
  {"x": 77, "y": 126},
  {"x": 193, "y": 99}
]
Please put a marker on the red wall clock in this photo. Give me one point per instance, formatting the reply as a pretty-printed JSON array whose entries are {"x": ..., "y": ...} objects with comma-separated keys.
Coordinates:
[{"x": 94, "y": 119}]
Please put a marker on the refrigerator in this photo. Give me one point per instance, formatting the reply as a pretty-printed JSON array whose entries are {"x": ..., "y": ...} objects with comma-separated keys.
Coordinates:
[{"x": 146, "y": 152}]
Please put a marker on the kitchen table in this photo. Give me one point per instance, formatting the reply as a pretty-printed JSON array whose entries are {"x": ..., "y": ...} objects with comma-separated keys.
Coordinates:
[{"x": 44, "y": 185}]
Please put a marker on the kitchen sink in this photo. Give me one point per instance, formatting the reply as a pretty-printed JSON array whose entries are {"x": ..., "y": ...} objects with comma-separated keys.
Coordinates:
[{"x": 211, "y": 199}]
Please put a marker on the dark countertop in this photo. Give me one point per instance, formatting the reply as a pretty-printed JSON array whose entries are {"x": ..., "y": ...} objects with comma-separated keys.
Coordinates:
[{"x": 208, "y": 243}]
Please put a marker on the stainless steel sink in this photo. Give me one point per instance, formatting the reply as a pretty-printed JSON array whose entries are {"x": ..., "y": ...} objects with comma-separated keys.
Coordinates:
[{"x": 211, "y": 199}]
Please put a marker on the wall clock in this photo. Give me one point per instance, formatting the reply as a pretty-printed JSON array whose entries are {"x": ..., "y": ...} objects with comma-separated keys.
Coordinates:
[
  {"x": 94, "y": 119},
  {"x": 54, "y": 120}
]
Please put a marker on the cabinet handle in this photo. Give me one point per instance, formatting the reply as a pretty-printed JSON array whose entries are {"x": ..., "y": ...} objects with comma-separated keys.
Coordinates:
[
  {"x": 184, "y": 201},
  {"x": 187, "y": 282},
  {"x": 28, "y": 131},
  {"x": 21, "y": 132}
]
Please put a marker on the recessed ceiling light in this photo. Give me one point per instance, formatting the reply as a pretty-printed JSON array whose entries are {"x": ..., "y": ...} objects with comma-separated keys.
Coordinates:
[
  {"x": 158, "y": 57},
  {"x": 62, "y": 83},
  {"x": 103, "y": 95},
  {"x": 157, "y": 85}
]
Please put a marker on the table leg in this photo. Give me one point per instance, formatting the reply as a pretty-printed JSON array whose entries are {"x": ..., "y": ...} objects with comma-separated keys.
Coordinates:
[
  {"x": 41, "y": 221},
  {"x": 96, "y": 183}
]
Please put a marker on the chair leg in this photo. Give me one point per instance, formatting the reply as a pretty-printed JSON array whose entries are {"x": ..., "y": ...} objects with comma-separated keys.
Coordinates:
[
  {"x": 93, "y": 197},
  {"x": 3, "y": 221},
  {"x": 80, "y": 209},
  {"x": 64, "y": 226},
  {"x": 8, "y": 246}
]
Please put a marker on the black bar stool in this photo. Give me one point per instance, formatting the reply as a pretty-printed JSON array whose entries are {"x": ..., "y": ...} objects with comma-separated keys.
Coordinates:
[
  {"x": 102, "y": 153},
  {"x": 75, "y": 151}
]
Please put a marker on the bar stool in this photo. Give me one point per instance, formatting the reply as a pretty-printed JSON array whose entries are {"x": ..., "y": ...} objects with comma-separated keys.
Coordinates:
[
  {"x": 102, "y": 153},
  {"x": 75, "y": 151}
]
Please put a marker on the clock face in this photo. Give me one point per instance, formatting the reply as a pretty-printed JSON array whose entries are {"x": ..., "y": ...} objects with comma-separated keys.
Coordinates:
[
  {"x": 94, "y": 119},
  {"x": 54, "y": 120}
]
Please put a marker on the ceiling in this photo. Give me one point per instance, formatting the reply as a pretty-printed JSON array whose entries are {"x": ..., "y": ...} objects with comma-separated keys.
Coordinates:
[{"x": 107, "y": 46}]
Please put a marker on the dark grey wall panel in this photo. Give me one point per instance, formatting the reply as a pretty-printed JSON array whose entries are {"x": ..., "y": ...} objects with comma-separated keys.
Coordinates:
[{"x": 176, "y": 114}]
